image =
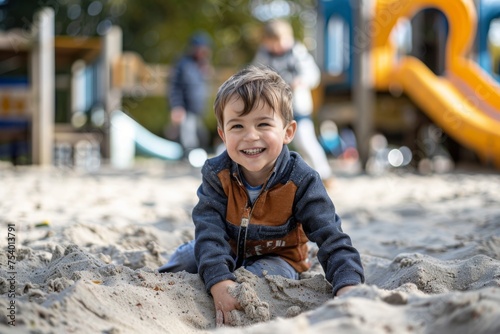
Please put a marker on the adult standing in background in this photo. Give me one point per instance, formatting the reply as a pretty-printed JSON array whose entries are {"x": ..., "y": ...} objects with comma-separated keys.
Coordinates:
[
  {"x": 280, "y": 51},
  {"x": 189, "y": 91}
]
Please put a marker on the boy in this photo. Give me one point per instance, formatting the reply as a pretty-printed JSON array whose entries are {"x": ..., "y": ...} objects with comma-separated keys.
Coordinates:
[{"x": 259, "y": 204}]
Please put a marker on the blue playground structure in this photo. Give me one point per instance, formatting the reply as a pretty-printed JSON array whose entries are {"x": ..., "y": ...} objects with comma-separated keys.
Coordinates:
[
  {"x": 421, "y": 65},
  {"x": 488, "y": 11},
  {"x": 15, "y": 127},
  {"x": 337, "y": 35}
]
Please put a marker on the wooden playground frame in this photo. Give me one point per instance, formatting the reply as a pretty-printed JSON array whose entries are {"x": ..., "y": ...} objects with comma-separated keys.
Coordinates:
[{"x": 43, "y": 52}]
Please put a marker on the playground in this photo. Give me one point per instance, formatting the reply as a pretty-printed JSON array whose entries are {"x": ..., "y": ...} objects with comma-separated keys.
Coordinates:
[
  {"x": 422, "y": 63},
  {"x": 86, "y": 223},
  {"x": 423, "y": 74}
]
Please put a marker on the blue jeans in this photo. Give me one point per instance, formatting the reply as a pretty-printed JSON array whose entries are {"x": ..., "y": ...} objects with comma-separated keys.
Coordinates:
[{"x": 183, "y": 259}]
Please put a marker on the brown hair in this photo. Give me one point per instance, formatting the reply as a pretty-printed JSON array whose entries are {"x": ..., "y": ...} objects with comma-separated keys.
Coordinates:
[{"x": 255, "y": 85}]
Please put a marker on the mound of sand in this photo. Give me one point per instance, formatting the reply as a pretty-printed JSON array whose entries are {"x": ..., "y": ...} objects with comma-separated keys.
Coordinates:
[{"x": 87, "y": 246}]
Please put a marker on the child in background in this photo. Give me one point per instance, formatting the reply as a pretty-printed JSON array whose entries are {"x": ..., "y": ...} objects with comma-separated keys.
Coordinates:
[
  {"x": 280, "y": 51},
  {"x": 259, "y": 203}
]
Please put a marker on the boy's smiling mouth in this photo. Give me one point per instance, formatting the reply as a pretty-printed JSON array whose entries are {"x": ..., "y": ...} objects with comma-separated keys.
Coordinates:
[{"x": 253, "y": 151}]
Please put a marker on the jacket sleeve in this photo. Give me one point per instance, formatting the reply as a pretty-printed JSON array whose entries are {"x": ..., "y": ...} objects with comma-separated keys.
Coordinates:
[
  {"x": 176, "y": 89},
  {"x": 315, "y": 210},
  {"x": 212, "y": 250}
]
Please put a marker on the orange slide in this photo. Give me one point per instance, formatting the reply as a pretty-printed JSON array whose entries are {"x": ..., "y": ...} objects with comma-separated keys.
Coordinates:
[{"x": 465, "y": 102}]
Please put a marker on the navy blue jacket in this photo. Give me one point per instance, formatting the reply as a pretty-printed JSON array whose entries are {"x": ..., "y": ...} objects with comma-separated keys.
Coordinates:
[
  {"x": 292, "y": 208},
  {"x": 188, "y": 86}
]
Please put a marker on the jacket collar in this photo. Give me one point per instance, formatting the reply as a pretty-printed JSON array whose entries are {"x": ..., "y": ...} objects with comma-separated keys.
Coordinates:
[{"x": 278, "y": 169}]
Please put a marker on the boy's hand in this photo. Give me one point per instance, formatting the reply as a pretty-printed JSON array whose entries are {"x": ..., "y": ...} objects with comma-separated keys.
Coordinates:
[
  {"x": 224, "y": 302},
  {"x": 345, "y": 289}
]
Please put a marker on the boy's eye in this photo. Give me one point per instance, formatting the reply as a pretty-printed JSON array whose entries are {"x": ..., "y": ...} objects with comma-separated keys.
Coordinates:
[
  {"x": 237, "y": 126},
  {"x": 264, "y": 124}
]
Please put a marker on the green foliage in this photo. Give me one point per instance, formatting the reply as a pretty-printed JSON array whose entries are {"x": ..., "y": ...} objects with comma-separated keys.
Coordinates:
[
  {"x": 72, "y": 17},
  {"x": 151, "y": 112},
  {"x": 158, "y": 30}
]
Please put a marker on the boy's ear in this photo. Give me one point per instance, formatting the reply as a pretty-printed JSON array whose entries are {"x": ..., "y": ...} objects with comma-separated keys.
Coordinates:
[
  {"x": 221, "y": 134},
  {"x": 290, "y": 130}
]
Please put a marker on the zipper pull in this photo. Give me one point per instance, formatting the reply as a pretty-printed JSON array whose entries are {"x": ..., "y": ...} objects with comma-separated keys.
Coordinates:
[
  {"x": 242, "y": 239},
  {"x": 236, "y": 176}
]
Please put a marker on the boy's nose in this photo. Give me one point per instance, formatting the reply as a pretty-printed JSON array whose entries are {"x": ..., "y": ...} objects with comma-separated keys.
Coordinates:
[{"x": 251, "y": 134}]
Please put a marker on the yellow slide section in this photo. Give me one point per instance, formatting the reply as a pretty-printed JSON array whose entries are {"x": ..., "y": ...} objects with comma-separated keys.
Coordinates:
[
  {"x": 465, "y": 103},
  {"x": 450, "y": 109}
]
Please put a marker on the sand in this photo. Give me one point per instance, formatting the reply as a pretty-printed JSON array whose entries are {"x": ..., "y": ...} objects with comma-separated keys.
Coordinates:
[{"x": 87, "y": 246}]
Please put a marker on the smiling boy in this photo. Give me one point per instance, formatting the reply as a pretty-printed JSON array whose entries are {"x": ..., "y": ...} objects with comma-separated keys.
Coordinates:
[{"x": 259, "y": 203}]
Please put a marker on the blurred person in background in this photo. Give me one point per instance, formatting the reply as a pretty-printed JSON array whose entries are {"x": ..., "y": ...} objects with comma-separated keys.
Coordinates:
[
  {"x": 188, "y": 93},
  {"x": 280, "y": 51}
]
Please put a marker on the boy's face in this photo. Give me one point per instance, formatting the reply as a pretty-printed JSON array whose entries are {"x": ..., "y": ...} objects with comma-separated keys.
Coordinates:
[{"x": 255, "y": 140}]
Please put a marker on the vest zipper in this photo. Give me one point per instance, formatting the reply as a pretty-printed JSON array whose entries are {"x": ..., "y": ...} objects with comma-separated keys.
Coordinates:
[
  {"x": 242, "y": 238},
  {"x": 245, "y": 221}
]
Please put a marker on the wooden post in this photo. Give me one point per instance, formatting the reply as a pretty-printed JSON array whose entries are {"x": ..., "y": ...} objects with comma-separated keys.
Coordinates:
[
  {"x": 43, "y": 87},
  {"x": 363, "y": 94},
  {"x": 113, "y": 95}
]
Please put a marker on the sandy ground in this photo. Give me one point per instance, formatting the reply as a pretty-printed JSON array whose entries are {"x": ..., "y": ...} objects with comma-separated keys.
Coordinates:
[{"x": 86, "y": 248}]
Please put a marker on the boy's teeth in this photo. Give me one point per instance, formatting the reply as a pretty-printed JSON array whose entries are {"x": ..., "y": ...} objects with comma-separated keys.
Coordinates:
[{"x": 253, "y": 151}]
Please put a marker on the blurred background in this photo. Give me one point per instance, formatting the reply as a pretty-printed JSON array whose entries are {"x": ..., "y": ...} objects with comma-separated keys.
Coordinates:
[{"x": 405, "y": 84}]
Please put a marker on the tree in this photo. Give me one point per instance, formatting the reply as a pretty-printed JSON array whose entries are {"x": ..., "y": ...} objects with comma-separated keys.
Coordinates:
[{"x": 159, "y": 30}]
